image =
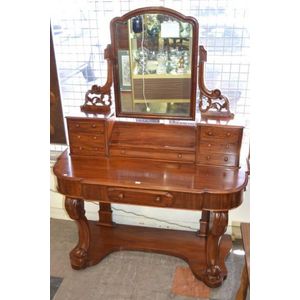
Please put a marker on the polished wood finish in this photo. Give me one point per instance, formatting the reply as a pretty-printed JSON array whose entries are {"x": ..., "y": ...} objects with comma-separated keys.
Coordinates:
[
  {"x": 79, "y": 255},
  {"x": 158, "y": 165},
  {"x": 153, "y": 141},
  {"x": 191, "y": 166},
  {"x": 117, "y": 42},
  {"x": 183, "y": 244},
  {"x": 245, "y": 278},
  {"x": 219, "y": 224},
  {"x": 204, "y": 223},
  {"x": 105, "y": 214},
  {"x": 98, "y": 98},
  {"x": 217, "y": 104},
  {"x": 219, "y": 145},
  {"x": 89, "y": 136}
]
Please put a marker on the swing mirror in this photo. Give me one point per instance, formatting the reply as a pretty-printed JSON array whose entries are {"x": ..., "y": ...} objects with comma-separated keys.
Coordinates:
[{"x": 155, "y": 64}]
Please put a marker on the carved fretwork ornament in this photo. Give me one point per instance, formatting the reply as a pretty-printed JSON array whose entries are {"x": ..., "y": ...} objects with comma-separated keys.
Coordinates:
[
  {"x": 212, "y": 103},
  {"x": 98, "y": 98}
]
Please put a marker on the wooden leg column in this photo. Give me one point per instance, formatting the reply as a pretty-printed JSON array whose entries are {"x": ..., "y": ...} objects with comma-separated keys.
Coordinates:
[
  {"x": 219, "y": 220},
  {"x": 105, "y": 214},
  {"x": 204, "y": 223},
  {"x": 79, "y": 255}
]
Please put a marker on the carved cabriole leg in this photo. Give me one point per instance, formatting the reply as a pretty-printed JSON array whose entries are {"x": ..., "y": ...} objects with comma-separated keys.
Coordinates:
[
  {"x": 79, "y": 255},
  {"x": 218, "y": 225},
  {"x": 105, "y": 214}
]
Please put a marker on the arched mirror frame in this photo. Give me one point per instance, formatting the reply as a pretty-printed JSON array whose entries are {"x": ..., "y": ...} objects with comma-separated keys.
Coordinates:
[{"x": 194, "y": 59}]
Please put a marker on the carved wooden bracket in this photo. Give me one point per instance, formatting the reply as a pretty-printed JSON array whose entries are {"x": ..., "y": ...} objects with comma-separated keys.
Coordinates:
[
  {"x": 212, "y": 103},
  {"x": 98, "y": 98}
]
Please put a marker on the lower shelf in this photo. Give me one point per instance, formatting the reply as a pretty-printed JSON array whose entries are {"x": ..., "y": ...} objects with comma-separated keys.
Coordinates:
[{"x": 183, "y": 244}]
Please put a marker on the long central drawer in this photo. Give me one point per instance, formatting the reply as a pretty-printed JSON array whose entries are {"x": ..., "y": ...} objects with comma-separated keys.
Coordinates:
[
  {"x": 140, "y": 197},
  {"x": 160, "y": 154}
]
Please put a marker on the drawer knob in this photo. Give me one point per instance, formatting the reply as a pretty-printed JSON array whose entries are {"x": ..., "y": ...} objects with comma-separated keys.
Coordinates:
[
  {"x": 77, "y": 125},
  {"x": 208, "y": 157},
  {"x": 158, "y": 199},
  {"x": 179, "y": 155},
  {"x": 227, "y": 146},
  {"x": 80, "y": 148},
  {"x": 121, "y": 196},
  {"x": 209, "y": 145},
  {"x": 225, "y": 158},
  {"x": 228, "y": 134},
  {"x": 78, "y": 136},
  {"x": 94, "y": 137},
  {"x": 94, "y": 125},
  {"x": 122, "y": 151},
  {"x": 209, "y": 133}
]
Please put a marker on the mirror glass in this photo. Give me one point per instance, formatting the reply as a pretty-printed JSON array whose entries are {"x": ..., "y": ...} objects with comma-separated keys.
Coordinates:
[{"x": 153, "y": 70}]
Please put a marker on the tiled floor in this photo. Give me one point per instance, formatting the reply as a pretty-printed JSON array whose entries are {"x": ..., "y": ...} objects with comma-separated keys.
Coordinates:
[{"x": 127, "y": 274}]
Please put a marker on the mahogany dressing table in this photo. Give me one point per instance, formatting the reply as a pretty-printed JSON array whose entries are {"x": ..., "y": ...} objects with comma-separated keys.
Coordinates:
[{"x": 184, "y": 162}]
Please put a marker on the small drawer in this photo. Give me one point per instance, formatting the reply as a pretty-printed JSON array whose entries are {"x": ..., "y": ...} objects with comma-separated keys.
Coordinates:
[
  {"x": 91, "y": 126},
  {"x": 87, "y": 150},
  {"x": 140, "y": 197},
  {"x": 219, "y": 146},
  {"x": 82, "y": 139},
  {"x": 219, "y": 159},
  {"x": 229, "y": 134},
  {"x": 153, "y": 154}
]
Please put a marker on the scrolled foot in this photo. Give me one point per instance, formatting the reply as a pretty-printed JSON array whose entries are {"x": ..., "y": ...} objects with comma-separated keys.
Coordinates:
[
  {"x": 79, "y": 258},
  {"x": 79, "y": 255},
  {"x": 213, "y": 276}
]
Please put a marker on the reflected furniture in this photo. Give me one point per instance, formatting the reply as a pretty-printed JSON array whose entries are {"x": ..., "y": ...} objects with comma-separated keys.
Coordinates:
[{"x": 161, "y": 155}]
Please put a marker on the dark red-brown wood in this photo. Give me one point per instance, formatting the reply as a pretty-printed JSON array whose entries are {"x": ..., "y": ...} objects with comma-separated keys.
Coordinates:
[
  {"x": 152, "y": 165},
  {"x": 193, "y": 166},
  {"x": 187, "y": 245},
  {"x": 217, "y": 104}
]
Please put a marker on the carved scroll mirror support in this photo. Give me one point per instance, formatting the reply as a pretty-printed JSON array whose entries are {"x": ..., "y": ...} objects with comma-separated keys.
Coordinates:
[
  {"x": 212, "y": 103},
  {"x": 98, "y": 98}
]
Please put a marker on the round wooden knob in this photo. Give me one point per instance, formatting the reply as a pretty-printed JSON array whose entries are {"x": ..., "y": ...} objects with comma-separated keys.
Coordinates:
[
  {"x": 208, "y": 157},
  {"x": 225, "y": 158},
  {"x": 121, "y": 196},
  {"x": 79, "y": 136},
  {"x": 80, "y": 148},
  {"x": 77, "y": 125},
  {"x": 209, "y": 133},
  {"x": 122, "y": 151},
  {"x": 94, "y": 137},
  {"x": 227, "y": 146},
  {"x": 228, "y": 134},
  {"x": 94, "y": 125},
  {"x": 179, "y": 155},
  {"x": 209, "y": 145},
  {"x": 158, "y": 199}
]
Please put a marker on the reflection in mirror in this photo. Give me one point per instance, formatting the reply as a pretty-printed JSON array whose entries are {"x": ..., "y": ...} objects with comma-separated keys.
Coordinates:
[{"x": 154, "y": 53}]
